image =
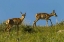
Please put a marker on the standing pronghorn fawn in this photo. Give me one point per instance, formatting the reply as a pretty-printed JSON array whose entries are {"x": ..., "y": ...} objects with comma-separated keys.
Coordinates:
[
  {"x": 44, "y": 16},
  {"x": 14, "y": 21}
]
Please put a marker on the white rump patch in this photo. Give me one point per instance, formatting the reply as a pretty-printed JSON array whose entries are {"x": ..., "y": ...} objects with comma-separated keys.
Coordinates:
[
  {"x": 36, "y": 15},
  {"x": 7, "y": 22}
]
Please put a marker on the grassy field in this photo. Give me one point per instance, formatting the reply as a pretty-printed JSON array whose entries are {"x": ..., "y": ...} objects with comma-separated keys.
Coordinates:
[{"x": 30, "y": 34}]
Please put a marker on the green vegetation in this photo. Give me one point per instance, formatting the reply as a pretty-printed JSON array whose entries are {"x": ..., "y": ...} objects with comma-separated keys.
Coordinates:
[{"x": 30, "y": 34}]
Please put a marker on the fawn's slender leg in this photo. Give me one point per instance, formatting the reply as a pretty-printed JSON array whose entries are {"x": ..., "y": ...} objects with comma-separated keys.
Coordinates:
[
  {"x": 17, "y": 29},
  {"x": 34, "y": 24},
  {"x": 51, "y": 22},
  {"x": 8, "y": 28},
  {"x": 17, "y": 33},
  {"x": 47, "y": 23}
]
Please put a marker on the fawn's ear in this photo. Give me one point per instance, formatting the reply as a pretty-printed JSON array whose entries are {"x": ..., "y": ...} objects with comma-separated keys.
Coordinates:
[
  {"x": 21, "y": 12},
  {"x": 53, "y": 11},
  {"x": 25, "y": 12}
]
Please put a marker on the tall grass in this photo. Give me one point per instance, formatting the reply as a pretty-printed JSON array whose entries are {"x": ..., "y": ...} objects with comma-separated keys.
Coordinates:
[{"x": 30, "y": 34}]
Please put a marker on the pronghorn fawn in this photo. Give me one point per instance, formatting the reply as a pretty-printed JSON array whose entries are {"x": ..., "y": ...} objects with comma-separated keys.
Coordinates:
[
  {"x": 44, "y": 16},
  {"x": 14, "y": 21}
]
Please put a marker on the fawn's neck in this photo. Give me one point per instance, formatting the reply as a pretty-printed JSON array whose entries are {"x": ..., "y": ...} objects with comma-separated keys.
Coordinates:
[
  {"x": 22, "y": 18},
  {"x": 51, "y": 15}
]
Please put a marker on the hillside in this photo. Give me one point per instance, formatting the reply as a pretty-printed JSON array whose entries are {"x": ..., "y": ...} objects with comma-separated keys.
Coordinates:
[{"x": 53, "y": 33}]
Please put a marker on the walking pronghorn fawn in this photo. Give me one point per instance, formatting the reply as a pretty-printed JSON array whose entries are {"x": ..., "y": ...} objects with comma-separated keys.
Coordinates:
[
  {"x": 14, "y": 21},
  {"x": 44, "y": 16}
]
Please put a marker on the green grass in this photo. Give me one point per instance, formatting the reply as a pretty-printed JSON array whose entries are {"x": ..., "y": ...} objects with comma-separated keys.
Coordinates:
[{"x": 30, "y": 34}]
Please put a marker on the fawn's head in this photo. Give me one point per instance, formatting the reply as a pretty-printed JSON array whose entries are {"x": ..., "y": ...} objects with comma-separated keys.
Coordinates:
[
  {"x": 23, "y": 15},
  {"x": 53, "y": 13}
]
